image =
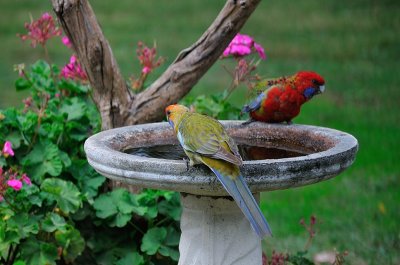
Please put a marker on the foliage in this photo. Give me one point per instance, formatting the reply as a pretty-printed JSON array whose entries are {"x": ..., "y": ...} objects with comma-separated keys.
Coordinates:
[{"x": 64, "y": 212}]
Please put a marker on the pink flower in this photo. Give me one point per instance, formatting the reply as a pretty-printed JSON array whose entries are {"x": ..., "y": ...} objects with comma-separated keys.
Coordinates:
[
  {"x": 39, "y": 31},
  {"x": 147, "y": 58},
  {"x": 73, "y": 70},
  {"x": 15, "y": 184},
  {"x": 66, "y": 41},
  {"x": 146, "y": 70},
  {"x": 243, "y": 45},
  {"x": 26, "y": 179},
  {"x": 7, "y": 149},
  {"x": 1, "y": 198},
  {"x": 27, "y": 102},
  {"x": 260, "y": 50}
]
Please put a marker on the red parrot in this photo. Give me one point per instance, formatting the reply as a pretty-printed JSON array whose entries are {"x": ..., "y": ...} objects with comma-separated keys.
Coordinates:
[{"x": 282, "y": 99}]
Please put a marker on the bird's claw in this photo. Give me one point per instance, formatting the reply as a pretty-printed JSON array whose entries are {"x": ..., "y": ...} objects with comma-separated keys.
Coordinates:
[
  {"x": 187, "y": 162},
  {"x": 247, "y": 122}
]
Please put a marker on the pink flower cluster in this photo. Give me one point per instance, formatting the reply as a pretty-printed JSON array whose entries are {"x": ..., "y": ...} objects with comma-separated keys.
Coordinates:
[
  {"x": 39, "y": 31},
  {"x": 243, "y": 45},
  {"x": 73, "y": 70},
  {"x": 147, "y": 58},
  {"x": 11, "y": 179}
]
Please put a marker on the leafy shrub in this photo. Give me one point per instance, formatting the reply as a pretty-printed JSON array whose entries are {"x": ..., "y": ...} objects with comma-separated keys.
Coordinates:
[{"x": 55, "y": 209}]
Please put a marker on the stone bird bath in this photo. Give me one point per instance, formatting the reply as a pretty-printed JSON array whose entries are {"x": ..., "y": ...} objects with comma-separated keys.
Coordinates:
[{"x": 214, "y": 230}]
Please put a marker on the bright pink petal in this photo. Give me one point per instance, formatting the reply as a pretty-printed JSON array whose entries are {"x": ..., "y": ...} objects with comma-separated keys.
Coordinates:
[
  {"x": 146, "y": 70},
  {"x": 7, "y": 149},
  {"x": 260, "y": 50},
  {"x": 15, "y": 184},
  {"x": 66, "y": 41},
  {"x": 26, "y": 179}
]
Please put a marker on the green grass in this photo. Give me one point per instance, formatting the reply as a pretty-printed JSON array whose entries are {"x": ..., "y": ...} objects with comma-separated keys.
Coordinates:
[{"x": 355, "y": 45}]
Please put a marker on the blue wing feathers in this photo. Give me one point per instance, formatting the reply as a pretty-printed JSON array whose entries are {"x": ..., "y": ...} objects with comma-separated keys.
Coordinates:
[
  {"x": 255, "y": 104},
  {"x": 240, "y": 192}
]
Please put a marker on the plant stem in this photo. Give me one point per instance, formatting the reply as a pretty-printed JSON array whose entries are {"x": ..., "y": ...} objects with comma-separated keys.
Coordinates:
[{"x": 137, "y": 228}]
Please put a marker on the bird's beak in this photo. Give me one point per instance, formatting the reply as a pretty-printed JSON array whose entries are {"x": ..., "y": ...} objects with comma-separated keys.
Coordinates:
[
  {"x": 171, "y": 123},
  {"x": 321, "y": 89}
]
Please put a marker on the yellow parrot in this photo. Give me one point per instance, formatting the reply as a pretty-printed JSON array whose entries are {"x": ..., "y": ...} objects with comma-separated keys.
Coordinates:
[{"x": 205, "y": 141}]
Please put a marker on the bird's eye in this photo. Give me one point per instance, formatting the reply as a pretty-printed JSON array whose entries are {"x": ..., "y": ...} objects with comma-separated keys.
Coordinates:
[
  {"x": 168, "y": 112},
  {"x": 315, "y": 82}
]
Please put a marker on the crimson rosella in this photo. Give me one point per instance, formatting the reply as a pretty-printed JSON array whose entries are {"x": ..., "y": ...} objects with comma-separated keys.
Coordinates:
[{"x": 282, "y": 98}]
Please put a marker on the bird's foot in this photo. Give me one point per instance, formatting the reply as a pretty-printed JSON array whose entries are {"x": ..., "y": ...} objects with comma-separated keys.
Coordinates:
[
  {"x": 247, "y": 122},
  {"x": 187, "y": 162},
  {"x": 289, "y": 122}
]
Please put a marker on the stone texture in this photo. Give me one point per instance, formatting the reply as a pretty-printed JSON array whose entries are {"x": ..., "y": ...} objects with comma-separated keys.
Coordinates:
[
  {"x": 332, "y": 151},
  {"x": 215, "y": 231}
]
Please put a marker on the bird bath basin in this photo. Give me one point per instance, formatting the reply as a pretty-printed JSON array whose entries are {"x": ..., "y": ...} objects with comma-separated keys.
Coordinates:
[{"x": 214, "y": 230}]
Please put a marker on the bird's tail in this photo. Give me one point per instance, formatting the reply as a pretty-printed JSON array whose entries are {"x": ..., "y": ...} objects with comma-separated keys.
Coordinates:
[{"x": 240, "y": 192}]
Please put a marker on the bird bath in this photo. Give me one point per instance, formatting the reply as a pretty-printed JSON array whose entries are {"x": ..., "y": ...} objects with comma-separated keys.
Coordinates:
[{"x": 214, "y": 230}]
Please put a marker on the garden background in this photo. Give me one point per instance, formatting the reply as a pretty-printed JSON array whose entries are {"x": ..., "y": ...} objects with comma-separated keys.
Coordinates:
[{"x": 355, "y": 45}]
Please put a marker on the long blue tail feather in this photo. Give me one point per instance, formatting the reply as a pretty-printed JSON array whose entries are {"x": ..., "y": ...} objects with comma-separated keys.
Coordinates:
[{"x": 240, "y": 192}]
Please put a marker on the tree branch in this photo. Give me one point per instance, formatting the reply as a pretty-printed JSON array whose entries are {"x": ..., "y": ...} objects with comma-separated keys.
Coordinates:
[
  {"x": 110, "y": 92},
  {"x": 117, "y": 105}
]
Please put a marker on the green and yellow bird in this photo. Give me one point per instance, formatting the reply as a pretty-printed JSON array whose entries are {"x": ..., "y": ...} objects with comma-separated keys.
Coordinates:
[{"x": 205, "y": 141}]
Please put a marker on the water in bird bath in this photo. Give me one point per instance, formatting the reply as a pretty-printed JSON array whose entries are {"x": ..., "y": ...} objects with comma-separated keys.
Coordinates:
[{"x": 248, "y": 152}]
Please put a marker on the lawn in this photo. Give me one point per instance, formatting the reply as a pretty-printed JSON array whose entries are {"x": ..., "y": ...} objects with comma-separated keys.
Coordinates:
[{"x": 355, "y": 45}]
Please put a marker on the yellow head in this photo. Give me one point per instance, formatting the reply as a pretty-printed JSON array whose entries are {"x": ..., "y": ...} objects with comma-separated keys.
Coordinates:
[{"x": 175, "y": 114}]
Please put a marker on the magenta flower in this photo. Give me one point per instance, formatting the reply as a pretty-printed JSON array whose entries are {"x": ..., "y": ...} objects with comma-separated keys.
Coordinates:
[
  {"x": 147, "y": 58},
  {"x": 7, "y": 149},
  {"x": 39, "y": 31},
  {"x": 15, "y": 184},
  {"x": 66, "y": 41},
  {"x": 260, "y": 50},
  {"x": 73, "y": 70},
  {"x": 243, "y": 45},
  {"x": 26, "y": 179}
]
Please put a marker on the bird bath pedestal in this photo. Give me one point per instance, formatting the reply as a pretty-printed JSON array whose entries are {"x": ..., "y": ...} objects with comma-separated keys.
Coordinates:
[{"x": 214, "y": 230}]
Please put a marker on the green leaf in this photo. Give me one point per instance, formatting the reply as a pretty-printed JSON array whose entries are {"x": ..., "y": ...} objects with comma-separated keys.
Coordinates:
[
  {"x": 35, "y": 252},
  {"x": 91, "y": 186},
  {"x": 71, "y": 241},
  {"x": 88, "y": 179},
  {"x": 117, "y": 206},
  {"x": 299, "y": 259},
  {"x": 132, "y": 258},
  {"x": 171, "y": 208},
  {"x": 73, "y": 86},
  {"x": 23, "y": 224},
  {"x": 153, "y": 239},
  {"x": 64, "y": 158},
  {"x": 53, "y": 222},
  {"x": 15, "y": 138},
  {"x": 64, "y": 192},
  {"x": 22, "y": 84},
  {"x": 75, "y": 108},
  {"x": 3, "y": 161},
  {"x": 169, "y": 252},
  {"x": 19, "y": 262},
  {"x": 173, "y": 237},
  {"x": 44, "y": 158}
]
